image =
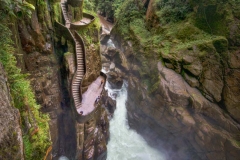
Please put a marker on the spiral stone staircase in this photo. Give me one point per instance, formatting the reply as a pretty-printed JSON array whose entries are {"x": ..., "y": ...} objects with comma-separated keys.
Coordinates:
[{"x": 85, "y": 104}]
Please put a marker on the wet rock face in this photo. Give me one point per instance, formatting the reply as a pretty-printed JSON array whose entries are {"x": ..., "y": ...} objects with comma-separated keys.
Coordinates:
[
  {"x": 213, "y": 71},
  {"x": 11, "y": 142},
  {"x": 113, "y": 62},
  {"x": 39, "y": 59},
  {"x": 183, "y": 122},
  {"x": 180, "y": 117},
  {"x": 92, "y": 136},
  {"x": 115, "y": 79},
  {"x": 109, "y": 103},
  {"x": 212, "y": 66},
  {"x": 202, "y": 68}
]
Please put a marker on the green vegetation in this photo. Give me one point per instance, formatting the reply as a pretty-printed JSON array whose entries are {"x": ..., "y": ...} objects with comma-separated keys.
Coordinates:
[
  {"x": 36, "y": 138},
  {"x": 172, "y": 11},
  {"x": 88, "y": 32},
  {"x": 89, "y": 5},
  {"x": 91, "y": 30},
  {"x": 174, "y": 26},
  {"x": 16, "y": 8}
]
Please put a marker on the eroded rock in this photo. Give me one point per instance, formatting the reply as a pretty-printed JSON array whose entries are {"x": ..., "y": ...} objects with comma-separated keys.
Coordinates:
[
  {"x": 11, "y": 142},
  {"x": 184, "y": 121}
]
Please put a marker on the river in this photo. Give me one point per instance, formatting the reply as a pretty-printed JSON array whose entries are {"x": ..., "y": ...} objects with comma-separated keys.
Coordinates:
[{"x": 126, "y": 144}]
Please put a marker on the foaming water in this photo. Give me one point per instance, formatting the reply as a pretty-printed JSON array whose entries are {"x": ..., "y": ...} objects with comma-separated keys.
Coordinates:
[
  {"x": 126, "y": 144},
  {"x": 110, "y": 43}
]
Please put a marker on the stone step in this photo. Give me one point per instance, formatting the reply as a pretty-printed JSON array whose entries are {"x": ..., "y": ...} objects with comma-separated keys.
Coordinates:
[
  {"x": 80, "y": 77},
  {"x": 79, "y": 80}
]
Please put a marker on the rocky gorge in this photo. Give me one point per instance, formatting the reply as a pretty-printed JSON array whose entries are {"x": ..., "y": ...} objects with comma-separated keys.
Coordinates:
[
  {"x": 180, "y": 61},
  {"x": 183, "y": 90}
]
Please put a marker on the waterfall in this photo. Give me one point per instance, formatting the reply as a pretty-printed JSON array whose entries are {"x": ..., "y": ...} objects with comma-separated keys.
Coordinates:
[{"x": 126, "y": 144}]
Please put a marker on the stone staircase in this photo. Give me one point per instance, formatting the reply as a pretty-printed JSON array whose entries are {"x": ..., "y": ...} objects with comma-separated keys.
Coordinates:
[
  {"x": 84, "y": 103},
  {"x": 80, "y": 71},
  {"x": 64, "y": 11}
]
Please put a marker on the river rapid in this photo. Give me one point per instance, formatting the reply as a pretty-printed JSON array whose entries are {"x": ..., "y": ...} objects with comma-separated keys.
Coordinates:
[{"x": 126, "y": 144}]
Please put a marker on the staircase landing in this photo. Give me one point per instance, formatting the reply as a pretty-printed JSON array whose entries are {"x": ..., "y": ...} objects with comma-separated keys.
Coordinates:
[
  {"x": 89, "y": 97},
  {"x": 83, "y": 21}
]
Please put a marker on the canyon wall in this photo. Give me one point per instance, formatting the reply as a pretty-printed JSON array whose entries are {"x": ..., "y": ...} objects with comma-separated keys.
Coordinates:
[
  {"x": 11, "y": 141},
  {"x": 183, "y": 76},
  {"x": 46, "y": 55}
]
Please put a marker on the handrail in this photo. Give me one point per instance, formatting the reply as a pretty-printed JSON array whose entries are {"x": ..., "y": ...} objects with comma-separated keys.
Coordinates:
[{"x": 62, "y": 29}]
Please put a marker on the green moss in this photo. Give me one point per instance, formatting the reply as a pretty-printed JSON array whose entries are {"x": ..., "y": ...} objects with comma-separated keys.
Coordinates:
[
  {"x": 23, "y": 96},
  {"x": 187, "y": 32},
  {"x": 68, "y": 54},
  {"x": 169, "y": 11},
  {"x": 90, "y": 31},
  {"x": 221, "y": 45},
  {"x": 57, "y": 13},
  {"x": 211, "y": 20}
]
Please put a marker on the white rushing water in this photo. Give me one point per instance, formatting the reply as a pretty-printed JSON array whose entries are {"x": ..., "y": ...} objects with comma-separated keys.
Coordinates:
[{"x": 126, "y": 144}]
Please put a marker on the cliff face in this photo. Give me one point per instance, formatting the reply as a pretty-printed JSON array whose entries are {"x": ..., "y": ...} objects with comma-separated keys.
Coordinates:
[
  {"x": 176, "y": 118},
  {"x": 11, "y": 141},
  {"x": 40, "y": 50},
  {"x": 210, "y": 64},
  {"x": 182, "y": 76},
  {"x": 92, "y": 136}
]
